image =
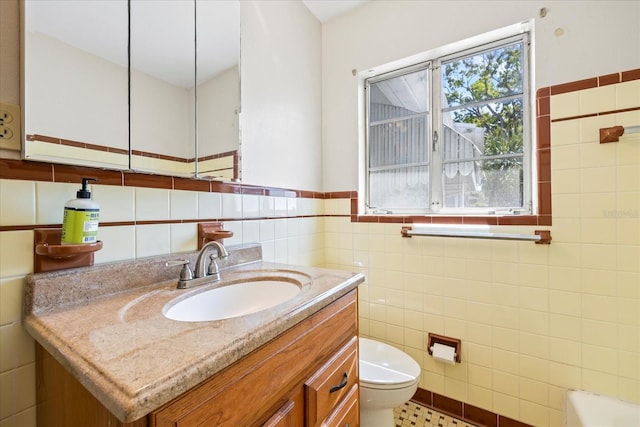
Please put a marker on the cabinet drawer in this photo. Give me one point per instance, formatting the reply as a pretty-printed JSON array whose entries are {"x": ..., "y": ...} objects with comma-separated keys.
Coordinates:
[
  {"x": 347, "y": 414},
  {"x": 331, "y": 383}
]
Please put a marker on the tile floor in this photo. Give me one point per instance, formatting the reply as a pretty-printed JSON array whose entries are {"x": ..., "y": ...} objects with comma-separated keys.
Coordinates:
[{"x": 414, "y": 415}]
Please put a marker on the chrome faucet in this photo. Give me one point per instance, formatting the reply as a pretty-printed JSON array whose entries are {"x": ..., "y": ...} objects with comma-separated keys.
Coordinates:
[
  {"x": 189, "y": 279},
  {"x": 213, "y": 270}
]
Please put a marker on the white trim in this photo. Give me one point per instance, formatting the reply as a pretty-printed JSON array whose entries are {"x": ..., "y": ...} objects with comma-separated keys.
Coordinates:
[{"x": 449, "y": 49}]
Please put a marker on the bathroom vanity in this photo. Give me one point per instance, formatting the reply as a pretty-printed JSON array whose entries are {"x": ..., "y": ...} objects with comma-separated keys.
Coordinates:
[{"x": 107, "y": 355}]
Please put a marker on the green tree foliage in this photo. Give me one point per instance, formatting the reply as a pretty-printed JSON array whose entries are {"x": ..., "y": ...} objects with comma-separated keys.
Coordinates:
[{"x": 486, "y": 89}]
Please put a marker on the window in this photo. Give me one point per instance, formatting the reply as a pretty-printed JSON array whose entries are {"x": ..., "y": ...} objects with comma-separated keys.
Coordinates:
[{"x": 452, "y": 134}]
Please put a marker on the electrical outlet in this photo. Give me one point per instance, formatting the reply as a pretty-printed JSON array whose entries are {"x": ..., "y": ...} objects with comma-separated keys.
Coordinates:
[{"x": 9, "y": 126}]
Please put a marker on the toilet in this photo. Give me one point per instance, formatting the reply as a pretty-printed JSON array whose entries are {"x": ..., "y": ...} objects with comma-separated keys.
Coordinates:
[{"x": 388, "y": 378}]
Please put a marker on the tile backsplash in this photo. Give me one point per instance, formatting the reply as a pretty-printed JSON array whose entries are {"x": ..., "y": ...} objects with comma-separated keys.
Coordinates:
[{"x": 136, "y": 222}]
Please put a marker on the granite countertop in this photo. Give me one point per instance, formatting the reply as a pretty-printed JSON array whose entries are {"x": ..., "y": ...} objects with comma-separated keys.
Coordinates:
[{"x": 105, "y": 325}]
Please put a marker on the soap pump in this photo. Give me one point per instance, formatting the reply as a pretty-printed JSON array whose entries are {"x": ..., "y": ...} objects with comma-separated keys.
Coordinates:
[{"x": 80, "y": 221}]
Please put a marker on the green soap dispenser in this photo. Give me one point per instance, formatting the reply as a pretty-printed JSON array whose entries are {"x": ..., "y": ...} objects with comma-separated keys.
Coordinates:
[{"x": 80, "y": 221}]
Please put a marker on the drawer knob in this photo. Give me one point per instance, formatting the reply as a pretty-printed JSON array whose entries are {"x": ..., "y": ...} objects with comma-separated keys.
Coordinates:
[{"x": 342, "y": 384}]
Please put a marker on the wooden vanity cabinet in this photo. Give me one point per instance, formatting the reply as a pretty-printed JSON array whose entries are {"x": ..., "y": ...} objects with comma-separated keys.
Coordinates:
[
  {"x": 330, "y": 384},
  {"x": 307, "y": 376}
]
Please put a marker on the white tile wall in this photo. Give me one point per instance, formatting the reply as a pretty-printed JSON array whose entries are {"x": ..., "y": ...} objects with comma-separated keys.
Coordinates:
[
  {"x": 29, "y": 202},
  {"x": 119, "y": 244},
  {"x": 153, "y": 240},
  {"x": 534, "y": 320},
  {"x": 50, "y": 200},
  {"x": 17, "y": 202},
  {"x": 151, "y": 204},
  {"x": 231, "y": 206},
  {"x": 183, "y": 204},
  {"x": 117, "y": 204},
  {"x": 209, "y": 205},
  {"x": 250, "y": 206},
  {"x": 184, "y": 237}
]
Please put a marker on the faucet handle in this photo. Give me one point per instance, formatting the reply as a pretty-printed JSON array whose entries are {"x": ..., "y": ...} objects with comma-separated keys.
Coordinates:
[
  {"x": 185, "y": 273},
  {"x": 213, "y": 268}
]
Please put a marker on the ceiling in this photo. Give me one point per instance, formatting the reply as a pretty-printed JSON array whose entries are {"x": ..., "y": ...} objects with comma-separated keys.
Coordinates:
[{"x": 325, "y": 10}]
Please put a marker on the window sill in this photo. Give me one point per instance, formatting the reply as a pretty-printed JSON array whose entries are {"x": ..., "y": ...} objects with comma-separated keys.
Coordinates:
[{"x": 542, "y": 220}]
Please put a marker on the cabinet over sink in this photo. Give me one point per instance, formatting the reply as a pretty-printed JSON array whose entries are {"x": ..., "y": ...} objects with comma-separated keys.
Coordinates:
[{"x": 107, "y": 354}]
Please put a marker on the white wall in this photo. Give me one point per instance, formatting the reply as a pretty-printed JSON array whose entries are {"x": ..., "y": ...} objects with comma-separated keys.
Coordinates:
[
  {"x": 75, "y": 95},
  {"x": 218, "y": 109},
  {"x": 598, "y": 37},
  {"x": 161, "y": 116},
  {"x": 63, "y": 99},
  {"x": 281, "y": 95}
]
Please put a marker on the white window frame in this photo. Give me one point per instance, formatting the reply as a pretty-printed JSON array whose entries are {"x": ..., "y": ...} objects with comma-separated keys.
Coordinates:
[{"x": 432, "y": 61}]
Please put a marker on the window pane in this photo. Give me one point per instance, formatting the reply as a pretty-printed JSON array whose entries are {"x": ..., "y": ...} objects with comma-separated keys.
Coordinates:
[
  {"x": 492, "y": 183},
  {"x": 399, "y": 142},
  {"x": 485, "y": 130},
  {"x": 399, "y": 96},
  {"x": 484, "y": 76},
  {"x": 405, "y": 189},
  {"x": 483, "y": 123},
  {"x": 398, "y": 147}
]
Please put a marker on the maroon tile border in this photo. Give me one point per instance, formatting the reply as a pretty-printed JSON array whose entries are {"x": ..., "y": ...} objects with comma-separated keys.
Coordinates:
[
  {"x": 509, "y": 422},
  {"x": 71, "y": 143},
  {"x": 627, "y": 76},
  {"x": 191, "y": 184},
  {"x": 104, "y": 148},
  {"x": 463, "y": 411},
  {"x": 480, "y": 416},
  {"x": 41, "y": 171},
  {"x": 574, "y": 86},
  {"x": 36, "y": 171},
  {"x": 609, "y": 79},
  {"x": 69, "y": 173},
  {"x": 448, "y": 405},
  {"x": 133, "y": 179},
  {"x": 218, "y": 156},
  {"x": 601, "y": 113},
  {"x": 96, "y": 147},
  {"x": 341, "y": 195}
]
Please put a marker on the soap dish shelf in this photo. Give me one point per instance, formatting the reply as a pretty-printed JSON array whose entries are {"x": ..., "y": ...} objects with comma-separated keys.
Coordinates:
[
  {"x": 208, "y": 231},
  {"x": 51, "y": 255}
]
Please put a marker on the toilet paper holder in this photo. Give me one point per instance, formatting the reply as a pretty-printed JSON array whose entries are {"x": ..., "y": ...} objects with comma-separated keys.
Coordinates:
[{"x": 441, "y": 339}]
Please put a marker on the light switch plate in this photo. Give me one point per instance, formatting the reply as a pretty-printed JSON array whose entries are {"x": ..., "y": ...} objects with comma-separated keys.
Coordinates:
[{"x": 10, "y": 135}]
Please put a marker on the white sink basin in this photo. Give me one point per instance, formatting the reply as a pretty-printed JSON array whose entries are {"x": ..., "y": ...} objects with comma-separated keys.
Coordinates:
[{"x": 234, "y": 300}]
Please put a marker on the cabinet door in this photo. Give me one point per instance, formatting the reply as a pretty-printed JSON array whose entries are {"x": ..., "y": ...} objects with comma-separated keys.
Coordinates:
[
  {"x": 331, "y": 383},
  {"x": 284, "y": 416},
  {"x": 347, "y": 414}
]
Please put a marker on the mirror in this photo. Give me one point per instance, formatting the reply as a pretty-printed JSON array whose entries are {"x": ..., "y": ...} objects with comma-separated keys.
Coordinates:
[
  {"x": 162, "y": 86},
  {"x": 75, "y": 86},
  {"x": 77, "y": 95},
  {"x": 218, "y": 90}
]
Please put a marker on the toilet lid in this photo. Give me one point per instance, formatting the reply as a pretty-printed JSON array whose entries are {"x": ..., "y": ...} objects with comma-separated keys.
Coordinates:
[
  {"x": 377, "y": 375},
  {"x": 383, "y": 364}
]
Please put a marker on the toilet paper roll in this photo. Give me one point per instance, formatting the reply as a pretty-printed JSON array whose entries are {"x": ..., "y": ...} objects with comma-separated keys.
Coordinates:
[{"x": 444, "y": 353}]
